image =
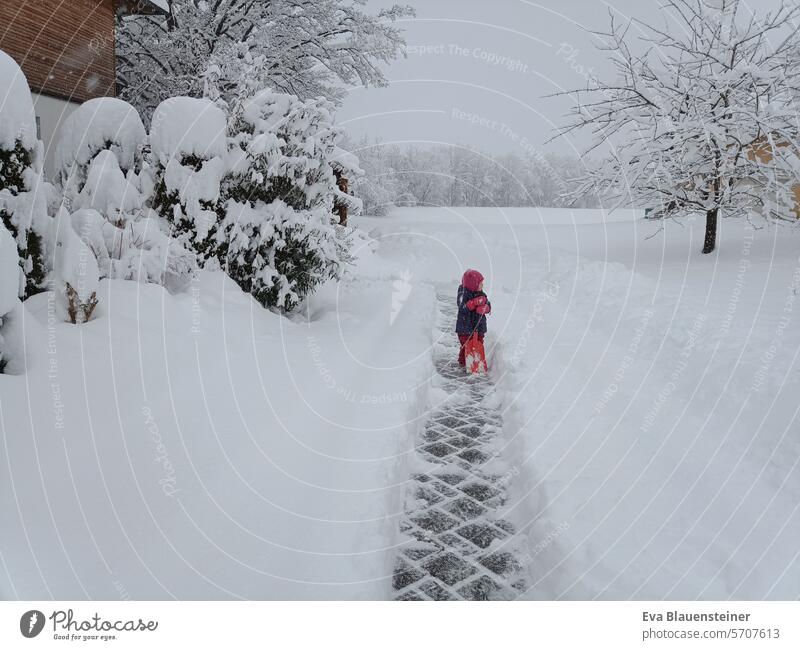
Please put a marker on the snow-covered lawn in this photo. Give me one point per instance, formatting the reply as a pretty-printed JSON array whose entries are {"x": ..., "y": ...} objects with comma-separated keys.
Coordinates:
[
  {"x": 650, "y": 394},
  {"x": 198, "y": 446}
]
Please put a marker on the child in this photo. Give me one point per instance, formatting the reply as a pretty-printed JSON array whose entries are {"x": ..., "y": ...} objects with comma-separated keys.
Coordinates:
[{"x": 473, "y": 306}]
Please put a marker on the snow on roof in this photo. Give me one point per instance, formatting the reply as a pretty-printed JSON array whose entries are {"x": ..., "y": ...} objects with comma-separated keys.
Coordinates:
[
  {"x": 17, "y": 118},
  {"x": 161, "y": 4},
  {"x": 185, "y": 125},
  {"x": 93, "y": 124},
  {"x": 135, "y": 7}
]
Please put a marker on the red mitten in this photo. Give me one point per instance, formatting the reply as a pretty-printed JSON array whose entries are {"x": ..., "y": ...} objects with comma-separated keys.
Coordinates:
[
  {"x": 471, "y": 304},
  {"x": 483, "y": 309},
  {"x": 480, "y": 300}
]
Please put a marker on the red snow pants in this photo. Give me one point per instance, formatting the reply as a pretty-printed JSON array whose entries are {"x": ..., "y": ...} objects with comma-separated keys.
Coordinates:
[{"x": 462, "y": 339}]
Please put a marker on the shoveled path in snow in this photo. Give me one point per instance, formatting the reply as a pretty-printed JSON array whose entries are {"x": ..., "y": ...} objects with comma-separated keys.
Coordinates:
[{"x": 459, "y": 547}]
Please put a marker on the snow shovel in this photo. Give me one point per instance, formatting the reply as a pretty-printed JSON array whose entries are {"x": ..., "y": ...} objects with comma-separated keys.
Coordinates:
[{"x": 475, "y": 356}]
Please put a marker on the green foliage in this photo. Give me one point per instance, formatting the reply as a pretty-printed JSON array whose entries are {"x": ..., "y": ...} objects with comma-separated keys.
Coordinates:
[
  {"x": 164, "y": 202},
  {"x": 13, "y": 164},
  {"x": 277, "y": 258},
  {"x": 280, "y": 238},
  {"x": 291, "y": 257}
]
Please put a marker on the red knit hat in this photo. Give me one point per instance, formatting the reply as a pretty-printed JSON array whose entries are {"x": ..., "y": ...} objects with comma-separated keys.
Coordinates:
[{"x": 471, "y": 280}]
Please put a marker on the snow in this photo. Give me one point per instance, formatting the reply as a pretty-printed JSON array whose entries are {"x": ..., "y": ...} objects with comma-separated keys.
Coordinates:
[
  {"x": 187, "y": 126},
  {"x": 9, "y": 271},
  {"x": 266, "y": 111},
  {"x": 74, "y": 263},
  {"x": 91, "y": 126},
  {"x": 207, "y": 465},
  {"x": 198, "y": 446},
  {"x": 108, "y": 191},
  {"x": 195, "y": 187},
  {"x": 17, "y": 117},
  {"x": 184, "y": 126},
  {"x": 347, "y": 161},
  {"x": 648, "y": 394},
  {"x": 149, "y": 255},
  {"x": 520, "y": 216},
  {"x": 89, "y": 224}
]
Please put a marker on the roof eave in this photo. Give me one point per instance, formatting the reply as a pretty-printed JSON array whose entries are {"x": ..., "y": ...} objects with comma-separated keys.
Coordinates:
[{"x": 142, "y": 7}]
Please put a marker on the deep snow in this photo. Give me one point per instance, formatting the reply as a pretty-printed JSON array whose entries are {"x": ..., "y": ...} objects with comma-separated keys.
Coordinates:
[
  {"x": 650, "y": 395},
  {"x": 170, "y": 449},
  {"x": 198, "y": 446}
]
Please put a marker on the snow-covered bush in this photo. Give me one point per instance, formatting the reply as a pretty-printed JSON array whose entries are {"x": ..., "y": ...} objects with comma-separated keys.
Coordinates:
[
  {"x": 149, "y": 254},
  {"x": 75, "y": 273},
  {"x": 141, "y": 250},
  {"x": 279, "y": 254},
  {"x": 92, "y": 228},
  {"x": 103, "y": 124},
  {"x": 188, "y": 145},
  {"x": 23, "y": 201},
  {"x": 109, "y": 191},
  {"x": 279, "y": 240},
  {"x": 106, "y": 184},
  {"x": 9, "y": 284}
]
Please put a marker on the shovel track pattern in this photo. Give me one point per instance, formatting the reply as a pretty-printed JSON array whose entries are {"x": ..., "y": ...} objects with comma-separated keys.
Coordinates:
[{"x": 457, "y": 546}]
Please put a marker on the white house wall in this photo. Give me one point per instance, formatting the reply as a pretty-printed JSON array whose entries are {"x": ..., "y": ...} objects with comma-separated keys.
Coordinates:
[{"x": 50, "y": 113}]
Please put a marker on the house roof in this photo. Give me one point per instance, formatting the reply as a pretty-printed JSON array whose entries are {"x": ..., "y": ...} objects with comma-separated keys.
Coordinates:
[
  {"x": 132, "y": 7},
  {"x": 161, "y": 4}
]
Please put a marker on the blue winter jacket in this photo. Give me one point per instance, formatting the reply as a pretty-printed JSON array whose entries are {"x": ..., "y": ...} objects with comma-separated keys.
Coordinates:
[{"x": 469, "y": 321}]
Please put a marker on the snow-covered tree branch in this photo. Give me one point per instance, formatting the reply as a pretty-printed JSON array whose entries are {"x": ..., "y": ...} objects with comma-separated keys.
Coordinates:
[{"x": 306, "y": 48}]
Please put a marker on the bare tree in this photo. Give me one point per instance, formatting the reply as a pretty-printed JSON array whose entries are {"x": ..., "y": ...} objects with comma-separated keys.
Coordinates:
[{"x": 702, "y": 114}]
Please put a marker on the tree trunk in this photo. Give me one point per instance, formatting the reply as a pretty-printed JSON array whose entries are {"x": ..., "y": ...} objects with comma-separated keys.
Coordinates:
[
  {"x": 341, "y": 208},
  {"x": 710, "y": 242}
]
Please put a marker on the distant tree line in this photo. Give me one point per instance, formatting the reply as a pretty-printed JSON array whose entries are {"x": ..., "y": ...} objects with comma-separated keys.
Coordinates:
[{"x": 457, "y": 175}]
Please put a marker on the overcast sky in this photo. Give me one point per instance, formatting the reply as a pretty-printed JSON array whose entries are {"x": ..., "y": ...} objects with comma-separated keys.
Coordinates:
[{"x": 477, "y": 72}]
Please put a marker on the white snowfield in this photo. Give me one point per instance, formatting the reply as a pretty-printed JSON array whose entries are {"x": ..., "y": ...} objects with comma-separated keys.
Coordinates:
[
  {"x": 197, "y": 446},
  {"x": 521, "y": 216}
]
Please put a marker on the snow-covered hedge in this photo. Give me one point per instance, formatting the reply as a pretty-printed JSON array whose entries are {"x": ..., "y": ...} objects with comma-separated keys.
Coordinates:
[
  {"x": 277, "y": 253},
  {"x": 279, "y": 236},
  {"x": 23, "y": 202},
  {"x": 9, "y": 284},
  {"x": 107, "y": 185},
  {"x": 188, "y": 146},
  {"x": 103, "y": 123},
  {"x": 253, "y": 192}
]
